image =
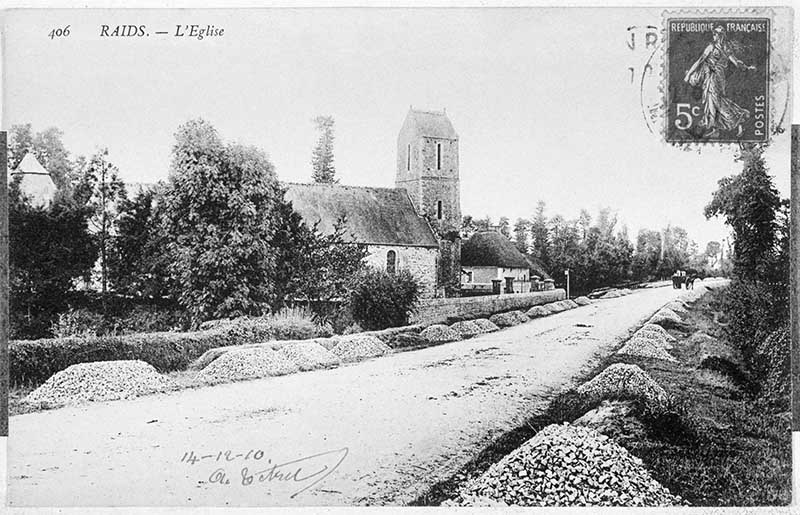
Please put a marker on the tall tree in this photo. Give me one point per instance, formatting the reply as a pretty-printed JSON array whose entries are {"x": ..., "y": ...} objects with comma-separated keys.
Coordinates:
[
  {"x": 521, "y": 228},
  {"x": 138, "y": 265},
  {"x": 540, "y": 245},
  {"x": 101, "y": 178},
  {"x": 220, "y": 217},
  {"x": 749, "y": 204},
  {"x": 322, "y": 155}
]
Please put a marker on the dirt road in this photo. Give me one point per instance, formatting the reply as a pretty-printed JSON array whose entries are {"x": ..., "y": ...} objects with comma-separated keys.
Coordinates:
[{"x": 376, "y": 432}]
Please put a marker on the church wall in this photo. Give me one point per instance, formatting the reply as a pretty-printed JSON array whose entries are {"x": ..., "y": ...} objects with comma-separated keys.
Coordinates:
[{"x": 420, "y": 261}]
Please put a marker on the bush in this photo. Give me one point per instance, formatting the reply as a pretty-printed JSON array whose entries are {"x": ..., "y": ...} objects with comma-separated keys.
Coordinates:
[
  {"x": 294, "y": 324},
  {"x": 754, "y": 309},
  {"x": 379, "y": 300},
  {"x": 772, "y": 362}
]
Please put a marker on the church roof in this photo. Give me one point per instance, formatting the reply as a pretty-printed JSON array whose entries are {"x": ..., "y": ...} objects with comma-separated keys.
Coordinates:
[
  {"x": 434, "y": 124},
  {"x": 35, "y": 182},
  {"x": 490, "y": 248},
  {"x": 381, "y": 216}
]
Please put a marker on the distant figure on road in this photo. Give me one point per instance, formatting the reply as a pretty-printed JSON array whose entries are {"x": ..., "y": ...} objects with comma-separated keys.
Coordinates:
[
  {"x": 690, "y": 282},
  {"x": 677, "y": 280}
]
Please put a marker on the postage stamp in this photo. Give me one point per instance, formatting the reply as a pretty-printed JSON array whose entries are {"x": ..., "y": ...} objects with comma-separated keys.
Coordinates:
[{"x": 717, "y": 79}]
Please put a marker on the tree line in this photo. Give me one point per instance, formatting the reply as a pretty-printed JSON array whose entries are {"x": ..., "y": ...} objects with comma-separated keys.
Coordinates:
[
  {"x": 598, "y": 251},
  {"x": 216, "y": 237}
]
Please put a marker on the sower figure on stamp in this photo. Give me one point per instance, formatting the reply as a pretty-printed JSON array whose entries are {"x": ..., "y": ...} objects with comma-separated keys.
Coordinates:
[{"x": 708, "y": 72}]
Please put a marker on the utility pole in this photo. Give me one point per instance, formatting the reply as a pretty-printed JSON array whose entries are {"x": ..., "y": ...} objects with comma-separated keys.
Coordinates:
[{"x": 566, "y": 272}]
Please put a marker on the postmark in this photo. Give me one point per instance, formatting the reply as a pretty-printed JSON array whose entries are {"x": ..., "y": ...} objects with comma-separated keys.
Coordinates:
[{"x": 717, "y": 79}]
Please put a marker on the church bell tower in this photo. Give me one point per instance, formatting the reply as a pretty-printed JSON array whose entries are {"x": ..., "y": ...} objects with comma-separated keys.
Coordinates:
[{"x": 427, "y": 168}]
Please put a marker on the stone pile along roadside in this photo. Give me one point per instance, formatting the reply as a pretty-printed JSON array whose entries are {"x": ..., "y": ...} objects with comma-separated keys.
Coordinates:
[
  {"x": 359, "y": 346},
  {"x": 537, "y": 311},
  {"x": 643, "y": 347},
  {"x": 252, "y": 363},
  {"x": 486, "y": 325},
  {"x": 623, "y": 381},
  {"x": 466, "y": 329},
  {"x": 566, "y": 465},
  {"x": 665, "y": 317},
  {"x": 613, "y": 294},
  {"x": 310, "y": 355},
  {"x": 440, "y": 333},
  {"x": 100, "y": 381}
]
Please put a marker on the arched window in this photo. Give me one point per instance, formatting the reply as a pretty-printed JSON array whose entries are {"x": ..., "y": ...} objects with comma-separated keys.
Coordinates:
[
  {"x": 438, "y": 156},
  {"x": 391, "y": 262},
  {"x": 438, "y": 209},
  {"x": 408, "y": 157}
]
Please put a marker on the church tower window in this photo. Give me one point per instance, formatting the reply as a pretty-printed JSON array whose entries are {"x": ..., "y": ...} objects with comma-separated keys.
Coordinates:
[
  {"x": 391, "y": 262},
  {"x": 408, "y": 157},
  {"x": 438, "y": 209},
  {"x": 438, "y": 156}
]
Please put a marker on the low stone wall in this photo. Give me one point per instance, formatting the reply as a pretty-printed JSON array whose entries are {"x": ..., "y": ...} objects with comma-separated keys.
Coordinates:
[{"x": 434, "y": 311}]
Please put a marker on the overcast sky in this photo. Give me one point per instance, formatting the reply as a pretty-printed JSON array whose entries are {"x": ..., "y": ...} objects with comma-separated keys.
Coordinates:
[{"x": 542, "y": 100}]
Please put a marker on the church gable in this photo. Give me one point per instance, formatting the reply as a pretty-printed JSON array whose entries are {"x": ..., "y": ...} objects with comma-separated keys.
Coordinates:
[{"x": 377, "y": 216}]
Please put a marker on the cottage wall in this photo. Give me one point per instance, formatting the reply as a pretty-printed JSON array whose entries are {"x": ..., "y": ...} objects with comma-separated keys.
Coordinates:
[
  {"x": 486, "y": 274},
  {"x": 434, "y": 311},
  {"x": 420, "y": 261}
]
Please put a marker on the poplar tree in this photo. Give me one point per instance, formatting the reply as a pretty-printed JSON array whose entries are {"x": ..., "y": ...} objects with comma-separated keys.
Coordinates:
[{"x": 322, "y": 155}]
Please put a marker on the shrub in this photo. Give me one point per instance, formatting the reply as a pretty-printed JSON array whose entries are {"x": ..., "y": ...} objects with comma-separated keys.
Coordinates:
[
  {"x": 772, "y": 364},
  {"x": 293, "y": 324},
  {"x": 379, "y": 300},
  {"x": 754, "y": 310}
]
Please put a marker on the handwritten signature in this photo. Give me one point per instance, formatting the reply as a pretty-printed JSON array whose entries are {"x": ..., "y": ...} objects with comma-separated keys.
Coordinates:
[{"x": 315, "y": 467}]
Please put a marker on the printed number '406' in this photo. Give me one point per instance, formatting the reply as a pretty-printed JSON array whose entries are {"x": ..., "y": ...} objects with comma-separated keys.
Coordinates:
[
  {"x": 685, "y": 115},
  {"x": 57, "y": 33}
]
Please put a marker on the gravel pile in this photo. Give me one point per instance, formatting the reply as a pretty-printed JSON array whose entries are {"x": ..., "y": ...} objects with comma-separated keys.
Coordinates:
[
  {"x": 613, "y": 294},
  {"x": 665, "y": 317},
  {"x": 583, "y": 301},
  {"x": 439, "y": 333},
  {"x": 537, "y": 311},
  {"x": 654, "y": 328},
  {"x": 507, "y": 319},
  {"x": 554, "y": 307},
  {"x": 677, "y": 307},
  {"x": 520, "y": 316},
  {"x": 100, "y": 381},
  {"x": 646, "y": 348},
  {"x": 658, "y": 338},
  {"x": 565, "y": 465},
  {"x": 570, "y": 304},
  {"x": 486, "y": 325},
  {"x": 622, "y": 381},
  {"x": 359, "y": 346},
  {"x": 252, "y": 363},
  {"x": 309, "y": 355},
  {"x": 466, "y": 329}
]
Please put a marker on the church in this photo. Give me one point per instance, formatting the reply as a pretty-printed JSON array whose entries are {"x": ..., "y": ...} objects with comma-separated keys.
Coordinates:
[{"x": 413, "y": 226}]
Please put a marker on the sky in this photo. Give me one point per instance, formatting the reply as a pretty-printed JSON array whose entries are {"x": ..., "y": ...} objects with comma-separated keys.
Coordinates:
[{"x": 542, "y": 99}]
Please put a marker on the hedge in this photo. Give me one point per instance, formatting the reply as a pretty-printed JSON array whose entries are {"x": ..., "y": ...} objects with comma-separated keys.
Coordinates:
[{"x": 31, "y": 362}]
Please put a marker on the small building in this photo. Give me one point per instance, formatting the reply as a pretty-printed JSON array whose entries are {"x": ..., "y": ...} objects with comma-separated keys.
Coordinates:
[
  {"x": 34, "y": 181},
  {"x": 490, "y": 263}
]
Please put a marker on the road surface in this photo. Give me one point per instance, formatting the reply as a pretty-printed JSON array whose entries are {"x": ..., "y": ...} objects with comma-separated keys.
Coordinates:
[{"x": 376, "y": 432}]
